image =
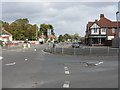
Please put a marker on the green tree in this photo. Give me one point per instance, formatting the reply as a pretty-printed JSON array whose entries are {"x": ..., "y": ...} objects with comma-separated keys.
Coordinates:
[
  {"x": 21, "y": 29},
  {"x": 21, "y": 21},
  {"x": 61, "y": 38},
  {"x": 67, "y": 36},
  {"x": 76, "y": 36},
  {"x": 44, "y": 28}
]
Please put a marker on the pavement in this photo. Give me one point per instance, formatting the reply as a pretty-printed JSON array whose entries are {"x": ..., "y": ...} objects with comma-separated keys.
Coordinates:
[{"x": 32, "y": 68}]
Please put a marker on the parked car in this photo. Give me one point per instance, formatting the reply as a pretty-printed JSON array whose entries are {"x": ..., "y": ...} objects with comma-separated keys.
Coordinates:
[{"x": 76, "y": 44}]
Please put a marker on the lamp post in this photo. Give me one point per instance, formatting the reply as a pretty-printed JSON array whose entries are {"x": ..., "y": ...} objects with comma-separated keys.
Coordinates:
[{"x": 117, "y": 13}]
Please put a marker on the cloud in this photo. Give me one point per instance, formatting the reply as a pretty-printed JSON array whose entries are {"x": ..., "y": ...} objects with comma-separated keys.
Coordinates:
[{"x": 66, "y": 17}]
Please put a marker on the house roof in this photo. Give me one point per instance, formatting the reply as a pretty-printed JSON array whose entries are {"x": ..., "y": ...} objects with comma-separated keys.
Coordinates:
[
  {"x": 103, "y": 22},
  {"x": 51, "y": 36},
  {"x": 42, "y": 36},
  {"x": 6, "y": 31}
]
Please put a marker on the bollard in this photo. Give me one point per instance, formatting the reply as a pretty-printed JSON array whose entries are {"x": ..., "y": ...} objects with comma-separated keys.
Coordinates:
[
  {"x": 55, "y": 50},
  {"x": 29, "y": 45},
  {"x": 90, "y": 51},
  {"x": 62, "y": 50},
  {"x": 108, "y": 51},
  {"x": 24, "y": 46}
]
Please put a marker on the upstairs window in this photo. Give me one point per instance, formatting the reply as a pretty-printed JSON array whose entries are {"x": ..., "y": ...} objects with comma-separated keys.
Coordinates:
[
  {"x": 103, "y": 30},
  {"x": 113, "y": 30},
  {"x": 95, "y": 30}
]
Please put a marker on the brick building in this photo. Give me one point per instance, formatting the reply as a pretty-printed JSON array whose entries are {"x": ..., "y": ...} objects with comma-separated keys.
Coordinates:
[{"x": 101, "y": 32}]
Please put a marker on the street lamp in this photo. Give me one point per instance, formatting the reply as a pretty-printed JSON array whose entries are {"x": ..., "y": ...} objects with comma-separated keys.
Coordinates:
[{"x": 117, "y": 14}]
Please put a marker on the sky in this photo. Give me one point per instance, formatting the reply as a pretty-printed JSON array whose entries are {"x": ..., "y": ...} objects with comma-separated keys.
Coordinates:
[{"x": 66, "y": 17}]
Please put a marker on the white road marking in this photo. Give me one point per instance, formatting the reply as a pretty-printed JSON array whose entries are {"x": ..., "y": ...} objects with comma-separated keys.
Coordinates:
[
  {"x": 26, "y": 59},
  {"x": 66, "y": 68},
  {"x": 34, "y": 49},
  {"x": 10, "y": 64},
  {"x": 99, "y": 63},
  {"x": 66, "y": 84},
  {"x": 67, "y": 72},
  {"x": 1, "y": 58}
]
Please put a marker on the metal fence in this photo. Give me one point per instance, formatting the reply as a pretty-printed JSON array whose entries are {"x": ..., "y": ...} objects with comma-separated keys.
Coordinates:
[{"x": 91, "y": 51}]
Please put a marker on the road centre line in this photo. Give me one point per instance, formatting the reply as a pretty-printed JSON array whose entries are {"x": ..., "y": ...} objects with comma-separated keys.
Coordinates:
[
  {"x": 65, "y": 67},
  {"x": 67, "y": 72},
  {"x": 66, "y": 84},
  {"x": 26, "y": 59}
]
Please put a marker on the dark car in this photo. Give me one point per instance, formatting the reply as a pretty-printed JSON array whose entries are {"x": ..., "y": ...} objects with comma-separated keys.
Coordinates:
[
  {"x": 55, "y": 43},
  {"x": 76, "y": 44}
]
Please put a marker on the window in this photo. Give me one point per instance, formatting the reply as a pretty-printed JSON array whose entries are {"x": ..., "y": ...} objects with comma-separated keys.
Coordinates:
[
  {"x": 113, "y": 30},
  {"x": 103, "y": 30},
  {"x": 95, "y": 30}
]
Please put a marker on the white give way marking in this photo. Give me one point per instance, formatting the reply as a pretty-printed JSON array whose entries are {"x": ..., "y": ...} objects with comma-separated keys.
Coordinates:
[
  {"x": 35, "y": 49},
  {"x": 10, "y": 64},
  {"x": 98, "y": 63},
  {"x": 26, "y": 59},
  {"x": 1, "y": 58}
]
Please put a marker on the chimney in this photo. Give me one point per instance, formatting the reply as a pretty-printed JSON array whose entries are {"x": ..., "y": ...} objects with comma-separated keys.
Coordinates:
[
  {"x": 101, "y": 15},
  {"x": 96, "y": 20}
]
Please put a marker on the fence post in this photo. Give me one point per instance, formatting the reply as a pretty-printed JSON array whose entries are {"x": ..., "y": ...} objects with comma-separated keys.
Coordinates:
[
  {"x": 74, "y": 51},
  {"x": 55, "y": 50},
  {"x": 118, "y": 51},
  {"x": 50, "y": 50},
  {"x": 90, "y": 50},
  {"x": 108, "y": 51},
  {"x": 62, "y": 50}
]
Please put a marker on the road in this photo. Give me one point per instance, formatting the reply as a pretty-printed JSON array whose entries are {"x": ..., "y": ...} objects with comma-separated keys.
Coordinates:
[{"x": 33, "y": 68}]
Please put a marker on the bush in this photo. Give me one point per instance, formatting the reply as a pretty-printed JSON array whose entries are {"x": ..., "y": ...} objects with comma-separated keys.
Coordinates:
[{"x": 1, "y": 43}]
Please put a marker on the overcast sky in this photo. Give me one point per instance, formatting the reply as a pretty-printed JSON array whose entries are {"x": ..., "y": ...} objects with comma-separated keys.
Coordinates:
[{"x": 66, "y": 17}]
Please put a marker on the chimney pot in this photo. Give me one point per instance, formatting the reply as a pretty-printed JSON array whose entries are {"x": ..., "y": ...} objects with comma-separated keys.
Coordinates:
[
  {"x": 101, "y": 15},
  {"x": 96, "y": 20}
]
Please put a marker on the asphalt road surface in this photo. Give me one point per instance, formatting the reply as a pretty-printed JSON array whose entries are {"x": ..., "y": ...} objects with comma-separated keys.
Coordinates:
[{"x": 33, "y": 68}]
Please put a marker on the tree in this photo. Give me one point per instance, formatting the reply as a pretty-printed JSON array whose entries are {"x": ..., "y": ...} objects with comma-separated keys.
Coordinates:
[
  {"x": 43, "y": 29},
  {"x": 67, "y": 36},
  {"x": 47, "y": 29},
  {"x": 21, "y": 29},
  {"x": 61, "y": 38},
  {"x": 76, "y": 36},
  {"x": 52, "y": 30},
  {"x": 21, "y": 21}
]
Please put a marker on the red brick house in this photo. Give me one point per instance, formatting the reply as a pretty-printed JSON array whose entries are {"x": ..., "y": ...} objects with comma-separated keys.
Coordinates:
[{"x": 101, "y": 32}]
